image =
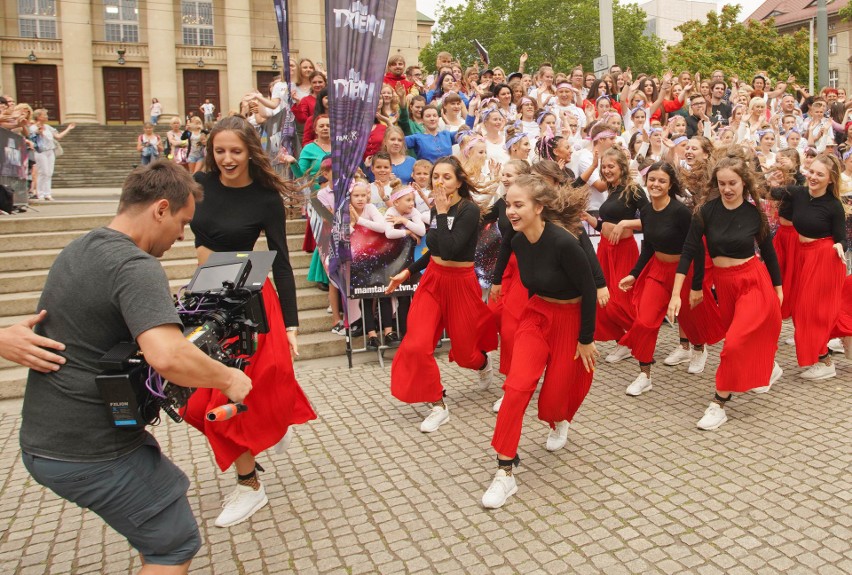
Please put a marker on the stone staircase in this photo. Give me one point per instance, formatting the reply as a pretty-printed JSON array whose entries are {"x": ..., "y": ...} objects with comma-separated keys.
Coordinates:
[
  {"x": 29, "y": 245},
  {"x": 98, "y": 156}
]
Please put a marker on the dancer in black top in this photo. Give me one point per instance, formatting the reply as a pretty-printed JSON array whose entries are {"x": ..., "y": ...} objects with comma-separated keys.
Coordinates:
[
  {"x": 556, "y": 332},
  {"x": 242, "y": 198},
  {"x": 665, "y": 225},
  {"x": 750, "y": 307},
  {"x": 448, "y": 296},
  {"x": 820, "y": 220}
]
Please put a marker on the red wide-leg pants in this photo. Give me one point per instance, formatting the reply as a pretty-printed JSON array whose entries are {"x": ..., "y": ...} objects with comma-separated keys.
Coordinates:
[
  {"x": 507, "y": 311},
  {"x": 613, "y": 320}
]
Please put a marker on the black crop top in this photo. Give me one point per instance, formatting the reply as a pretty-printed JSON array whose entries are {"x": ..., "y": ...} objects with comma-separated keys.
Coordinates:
[
  {"x": 231, "y": 219},
  {"x": 497, "y": 213},
  {"x": 451, "y": 236},
  {"x": 620, "y": 205},
  {"x": 663, "y": 231},
  {"x": 557, "y": 267},
  {"x": 815, "y": 218},
  {"x": 730, "y": 233}
]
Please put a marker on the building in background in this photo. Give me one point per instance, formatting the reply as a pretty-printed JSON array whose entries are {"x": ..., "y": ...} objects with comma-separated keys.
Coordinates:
[
  {"x": 793, "y": 15},
  {"x": 663, "y": 16},
  {"x": 424, "y": 30},
  {"x": 101, "y": 61}
]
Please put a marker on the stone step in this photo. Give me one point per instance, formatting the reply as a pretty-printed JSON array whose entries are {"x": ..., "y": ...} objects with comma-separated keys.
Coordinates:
[
  {"x": 36, "y": 225},
  {"x": 23, "y": 303},
  {"x": 311, "y": 346}
]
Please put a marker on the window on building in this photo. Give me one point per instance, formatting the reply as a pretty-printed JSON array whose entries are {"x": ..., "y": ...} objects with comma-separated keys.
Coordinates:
[
  {"x": 121, "y": 21},
  {"x": 832, "y": 44},
  {"x": 37, "y": 18},
  {"x": 834, "y": 78},
  {"x": 197, "y": 18}
]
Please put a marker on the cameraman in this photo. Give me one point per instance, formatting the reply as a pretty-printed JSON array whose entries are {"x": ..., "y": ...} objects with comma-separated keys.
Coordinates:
[{"x": 105, "y": 288}]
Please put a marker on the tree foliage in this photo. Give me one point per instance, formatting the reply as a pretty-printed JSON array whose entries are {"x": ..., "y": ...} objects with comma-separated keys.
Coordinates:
[
  {"x": 739, "y": 48},
  {"x": 564, "y": 33}
]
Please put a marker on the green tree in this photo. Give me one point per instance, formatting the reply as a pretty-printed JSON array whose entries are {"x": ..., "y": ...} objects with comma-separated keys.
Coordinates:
[
  {"x": 563, "y": 33},
  {"x": 739, "y": 48}
]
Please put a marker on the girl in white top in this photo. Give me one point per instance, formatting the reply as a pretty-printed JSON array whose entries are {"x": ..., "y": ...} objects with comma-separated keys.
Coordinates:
[
  {"x": 527, "y": 112},
  {"x": 493, "y": 125},
  {"x": 421, "y": 177},
  {"x": 452, "y": 112},
  {"x": 403, "y": 219},
  {"x": 363, "y": 213},
  {"x": 765, "y": 148},
  {"x": 149, "y": 144}
]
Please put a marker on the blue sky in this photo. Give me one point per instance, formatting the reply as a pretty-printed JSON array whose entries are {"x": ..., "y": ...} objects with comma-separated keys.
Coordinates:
[{"x": 430, "y": 7}]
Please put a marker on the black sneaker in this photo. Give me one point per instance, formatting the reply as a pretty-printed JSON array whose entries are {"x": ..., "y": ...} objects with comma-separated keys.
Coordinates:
[
  {"x": 322, "y": 287},
  {"x": 356, "y": 330},
  {"x": 338, "y": 329},
  {"x": 372, "y": 343},
  {"x": 392, "y": 339}
]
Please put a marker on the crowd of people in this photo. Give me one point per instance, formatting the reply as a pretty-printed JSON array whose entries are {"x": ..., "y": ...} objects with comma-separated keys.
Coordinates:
[{"x": 740, "y": 191}]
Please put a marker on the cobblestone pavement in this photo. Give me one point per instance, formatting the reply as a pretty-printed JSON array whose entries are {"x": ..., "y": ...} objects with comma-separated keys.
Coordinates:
[{"x": 638, "y": 488}]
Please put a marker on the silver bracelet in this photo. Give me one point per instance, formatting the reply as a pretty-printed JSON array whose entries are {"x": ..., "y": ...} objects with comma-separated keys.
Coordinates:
[{"x": 293, "y": 328}]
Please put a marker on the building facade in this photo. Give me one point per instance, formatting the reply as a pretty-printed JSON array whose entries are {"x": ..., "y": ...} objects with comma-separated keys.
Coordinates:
[
  {"x": 663, "y": 16},
  {"x": 102, "y": 61},
  {"x": 793, "y": 15}
]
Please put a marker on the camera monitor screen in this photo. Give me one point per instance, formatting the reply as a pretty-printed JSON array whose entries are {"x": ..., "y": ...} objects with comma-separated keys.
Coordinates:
[{"x": 210, "y": 279}]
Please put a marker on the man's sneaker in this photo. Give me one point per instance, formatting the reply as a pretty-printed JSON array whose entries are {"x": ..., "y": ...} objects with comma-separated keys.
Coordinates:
[
  {"x": 640, "y": 385},
  {"x": 558, "y": 437},
  {"x": 437, "y": 417},
  {"x": 847, "y": 344},
  {"x": 284, "y": 443},
  {"x": 339, "y": 329},
  {"x": 697, "y": 360},
  {"x": 392, "y": 339},
  {"x": 678, "y": 356},
  {"x": 503, "y": 487},
  {"x": 619, "y": 353},
  {"x": 835, "y": 345},
  {"x": 486, "y": 373},
  {"x": 819, "y": 371},
  {"x": 777, "y": 372},
  {"x": 241, "y": 504},
  {"x": 714, "y": 417},
  {"x": 497, "y": 404}
]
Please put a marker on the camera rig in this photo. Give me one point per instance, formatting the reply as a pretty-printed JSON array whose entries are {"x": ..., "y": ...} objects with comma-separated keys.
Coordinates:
[{"x": 222, "y": 312}]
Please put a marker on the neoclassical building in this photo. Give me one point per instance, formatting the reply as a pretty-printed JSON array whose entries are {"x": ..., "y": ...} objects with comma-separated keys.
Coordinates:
[{"x": 102, "y": 61}]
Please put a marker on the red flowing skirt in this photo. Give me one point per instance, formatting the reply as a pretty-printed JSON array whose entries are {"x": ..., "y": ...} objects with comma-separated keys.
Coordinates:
[
  {"x": 786, "y": 243},
  {"x": 274, "y": 404},
  {"x": 702, "y": 324},
  {"x": 751, "y": 315},
  {"x": 843, "y": 327},
  {"x": 507, "y": 311},
  {"x": 820, "y": 283},
  {"x": 547, "y": 341},
  {"x": 446, "y": 298},
  {"x": 613, "y": 320}
]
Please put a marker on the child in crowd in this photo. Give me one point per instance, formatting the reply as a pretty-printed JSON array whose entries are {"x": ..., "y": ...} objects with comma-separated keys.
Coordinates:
[
  {"x": 381, "y": 188},
  {"x": 325, "y": 195},
  {"x": 404, "y": 221}
]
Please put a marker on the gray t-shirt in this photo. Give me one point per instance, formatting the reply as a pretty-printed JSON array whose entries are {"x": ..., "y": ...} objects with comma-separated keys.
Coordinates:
[{"x": 101, "y": 290}]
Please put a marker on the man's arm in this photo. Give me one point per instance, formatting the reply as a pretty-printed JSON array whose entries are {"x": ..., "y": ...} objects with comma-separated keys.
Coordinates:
[
  {"x": 19, "y": 344},
  {"x": 179, "y": 361}
]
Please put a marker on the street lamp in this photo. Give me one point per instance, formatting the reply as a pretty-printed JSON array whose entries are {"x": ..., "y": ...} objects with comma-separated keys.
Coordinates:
[
  {"x": 200, "y": 62},
  {"x": 274, "y": 63},
  {"x": 32, "y": 57},
  {"x": 121, "y": 52}
]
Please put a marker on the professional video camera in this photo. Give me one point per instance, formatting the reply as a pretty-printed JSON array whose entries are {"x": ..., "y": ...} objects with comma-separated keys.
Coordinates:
[{"x": 222, "y": 312}]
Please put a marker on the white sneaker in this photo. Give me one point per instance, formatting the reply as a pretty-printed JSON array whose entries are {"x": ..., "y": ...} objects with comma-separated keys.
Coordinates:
[
  {"x": 678, "y": 356},
  {"x": 697, "y": 360},
  {"x": 437, "y": 417},
  {"x": 777, "y": 372},
  {"x": 640, "y": 385},
  {"x": 819, "y": 371},
  {"x": 241, "y": 504},
  {"x": 790, "y": 341},
  {"x": 847, "y": 344},
  {"x": 619, "y": 353},
  {"x": 835, "y": 345},
  {"x": 284, "y": 444},
  {"x": 497, "y": 404},
  {"x": 485, "y": 374},
  {"x": 714, "y": 417},
  {"x": 503, "y": 487},
  {"x": 558, "y": 437},
  {"x": 328, "y": 309}
]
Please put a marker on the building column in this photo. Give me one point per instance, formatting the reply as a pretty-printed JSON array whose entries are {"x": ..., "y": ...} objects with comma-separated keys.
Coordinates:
[
  {"x": 238, "y": 42},
  {"x": 162, "y": 57},
  {"x": 78, "y": 82}
]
